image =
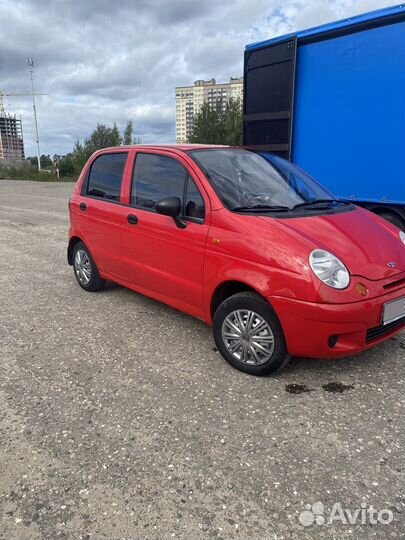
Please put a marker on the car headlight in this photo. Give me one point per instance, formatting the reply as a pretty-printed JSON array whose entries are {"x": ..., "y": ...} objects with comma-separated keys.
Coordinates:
[
  {"x": 329, "y": 269},
  {"x": 402, "y": 236}
]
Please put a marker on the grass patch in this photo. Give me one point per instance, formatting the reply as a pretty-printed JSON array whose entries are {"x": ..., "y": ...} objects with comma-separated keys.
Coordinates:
[{"x": 32, "y": 174}]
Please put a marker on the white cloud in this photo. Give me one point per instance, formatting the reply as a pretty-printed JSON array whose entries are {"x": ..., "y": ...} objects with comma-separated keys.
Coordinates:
[{"x": 105, "y": 62}]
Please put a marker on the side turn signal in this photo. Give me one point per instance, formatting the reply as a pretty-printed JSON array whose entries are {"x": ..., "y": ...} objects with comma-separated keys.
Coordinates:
[{"x": 361, "y": 289}]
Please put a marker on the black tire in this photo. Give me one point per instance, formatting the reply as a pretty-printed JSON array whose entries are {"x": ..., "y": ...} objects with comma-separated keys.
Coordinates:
[
  {"x": 95, "y": 282},
  {"x": 394, "y": 219},
  {"x": 251, "y": 302}
]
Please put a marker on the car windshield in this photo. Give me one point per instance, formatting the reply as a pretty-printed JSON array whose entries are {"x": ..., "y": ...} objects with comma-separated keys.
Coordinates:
[{"x": 246, "y": 179}]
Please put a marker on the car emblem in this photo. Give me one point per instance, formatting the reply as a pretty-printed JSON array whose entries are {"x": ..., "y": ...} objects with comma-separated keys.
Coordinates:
[{"x": 392, "y": 264}]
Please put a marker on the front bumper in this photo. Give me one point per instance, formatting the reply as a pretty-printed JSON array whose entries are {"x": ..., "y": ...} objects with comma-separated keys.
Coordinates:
[{"x": 334, "y": 330}]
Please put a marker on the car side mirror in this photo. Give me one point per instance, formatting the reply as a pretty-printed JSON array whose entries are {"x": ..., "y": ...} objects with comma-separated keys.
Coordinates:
[{"x": 171, "y": 206}]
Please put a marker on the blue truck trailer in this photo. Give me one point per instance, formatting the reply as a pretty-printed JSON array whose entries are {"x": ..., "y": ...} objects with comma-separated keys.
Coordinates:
[{"x": 332, "y": 100}]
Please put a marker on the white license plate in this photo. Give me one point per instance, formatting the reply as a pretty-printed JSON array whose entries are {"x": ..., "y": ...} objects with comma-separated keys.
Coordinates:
[{"x": 393, "y": 311}]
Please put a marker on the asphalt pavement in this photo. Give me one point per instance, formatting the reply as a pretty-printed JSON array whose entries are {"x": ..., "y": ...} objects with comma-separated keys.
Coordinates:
[{"x": 120, "y": 420}]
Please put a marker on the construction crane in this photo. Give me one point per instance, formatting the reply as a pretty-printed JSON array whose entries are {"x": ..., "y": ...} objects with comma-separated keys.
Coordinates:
[{"x": 12, "y": 94}]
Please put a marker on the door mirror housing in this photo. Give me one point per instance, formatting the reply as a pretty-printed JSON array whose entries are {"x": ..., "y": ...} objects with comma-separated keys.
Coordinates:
[{"x": 171, "y": 206}]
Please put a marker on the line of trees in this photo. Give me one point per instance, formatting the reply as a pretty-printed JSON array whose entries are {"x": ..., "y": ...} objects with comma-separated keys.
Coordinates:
[
  {"x": 213, "y": 124},
  {"x": 102, "y": 137},
  {"x": 46, "y": 161},
  {"x": 71, "y": 164}
]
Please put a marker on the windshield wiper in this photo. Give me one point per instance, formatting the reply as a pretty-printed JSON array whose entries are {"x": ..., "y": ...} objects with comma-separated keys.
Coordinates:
[
  {"x": 261, "y": 207},
  {"x": 324, "y": 202}
]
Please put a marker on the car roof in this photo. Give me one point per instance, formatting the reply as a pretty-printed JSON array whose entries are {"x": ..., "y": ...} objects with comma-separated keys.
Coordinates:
[{"x": 176, "y": 147}]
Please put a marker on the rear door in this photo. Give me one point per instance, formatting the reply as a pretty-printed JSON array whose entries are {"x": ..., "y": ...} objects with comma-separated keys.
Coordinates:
[
  {"x": 163, "y": 259},
  {"x": 102, "y": 216}
]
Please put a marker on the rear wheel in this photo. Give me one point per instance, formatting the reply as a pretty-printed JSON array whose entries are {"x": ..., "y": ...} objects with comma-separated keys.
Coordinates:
[
  {"x": 248, "y": 334},
  {"x": 85, "y": 269}
]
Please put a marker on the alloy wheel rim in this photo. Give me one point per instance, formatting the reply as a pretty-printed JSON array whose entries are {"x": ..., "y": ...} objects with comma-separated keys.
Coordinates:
[
  {"x": 82, "y": 266},
  {"x": 248, "y": 337}
]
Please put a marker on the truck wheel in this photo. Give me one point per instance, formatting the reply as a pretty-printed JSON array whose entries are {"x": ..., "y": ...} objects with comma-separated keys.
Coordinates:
[
  {"x": 85, "y": 269},
  {"x": 248, "y": 334},
  {"x": 394, "y": 219}
]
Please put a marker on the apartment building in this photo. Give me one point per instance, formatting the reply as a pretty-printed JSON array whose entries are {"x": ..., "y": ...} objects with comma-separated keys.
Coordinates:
[
  {"x": 189, "y": 100},
  {"x": 11, "y": 139}
]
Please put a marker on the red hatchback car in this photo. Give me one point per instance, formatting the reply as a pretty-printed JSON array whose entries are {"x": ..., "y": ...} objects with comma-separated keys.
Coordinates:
[{"x": 245, "y": 241}]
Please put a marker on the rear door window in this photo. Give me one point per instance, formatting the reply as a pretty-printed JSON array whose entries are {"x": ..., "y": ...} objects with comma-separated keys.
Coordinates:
[{"x": 105, "y": 176}]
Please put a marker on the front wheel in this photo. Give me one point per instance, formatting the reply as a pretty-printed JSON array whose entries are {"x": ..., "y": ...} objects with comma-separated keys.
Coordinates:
[{"x": 248, "y": 334}]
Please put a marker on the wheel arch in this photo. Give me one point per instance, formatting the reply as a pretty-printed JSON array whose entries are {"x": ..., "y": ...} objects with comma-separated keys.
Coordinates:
[
  {"x": 72, "y": 242},
  {"x": 226, "y": 289},
  {"x": 388, "y": 211},
  {"x": 391, "y": 215}
]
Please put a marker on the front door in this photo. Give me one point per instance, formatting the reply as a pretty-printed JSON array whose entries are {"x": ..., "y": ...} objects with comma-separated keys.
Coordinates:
[{"x": 165, "y": 260}]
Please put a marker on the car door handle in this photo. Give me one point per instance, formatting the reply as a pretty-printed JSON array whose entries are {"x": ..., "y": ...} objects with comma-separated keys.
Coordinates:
[
  {"x": 132, "y": 220},
  {"x": 83, "y": 206}
]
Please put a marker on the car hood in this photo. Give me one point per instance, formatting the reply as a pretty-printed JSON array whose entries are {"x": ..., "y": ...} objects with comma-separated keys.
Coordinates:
[{"x": 368, "y": 245}]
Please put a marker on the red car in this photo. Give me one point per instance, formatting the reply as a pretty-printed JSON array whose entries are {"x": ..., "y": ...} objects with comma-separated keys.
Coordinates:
[{"x": 245, "y": 241}]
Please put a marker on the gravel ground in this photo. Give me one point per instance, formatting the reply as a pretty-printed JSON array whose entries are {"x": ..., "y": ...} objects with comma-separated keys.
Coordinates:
[{"x": 120, "y": 420}]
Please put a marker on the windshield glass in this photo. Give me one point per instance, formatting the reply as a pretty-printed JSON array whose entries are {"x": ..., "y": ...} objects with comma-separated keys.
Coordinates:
[{"x": 246, "y": 179}]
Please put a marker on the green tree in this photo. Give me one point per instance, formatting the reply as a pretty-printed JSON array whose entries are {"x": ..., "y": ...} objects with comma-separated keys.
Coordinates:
[
  {"x": 214, "y": 124},
  {"x": 46, "y": 161},
  {"x": 80, "y": 155},
  {"x": 116, "y": 138},
  {"x": 233, "y": 122},
  {"x": 32, "y": 160},
  {"x": 207, "y": 125},
  {"x": 102, "y": 137},
  {"x": 127, "y": 137},
  {"x": 67, "y": 166}
]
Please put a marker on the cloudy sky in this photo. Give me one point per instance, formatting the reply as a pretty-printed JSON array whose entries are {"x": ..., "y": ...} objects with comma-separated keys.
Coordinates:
[{"x": 105, "y": 61}]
